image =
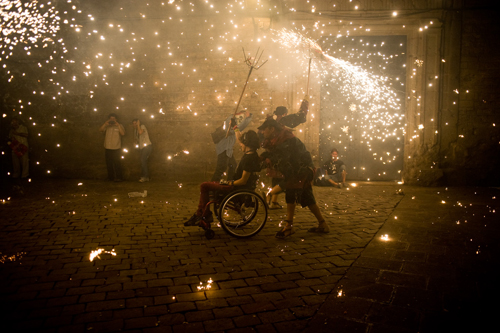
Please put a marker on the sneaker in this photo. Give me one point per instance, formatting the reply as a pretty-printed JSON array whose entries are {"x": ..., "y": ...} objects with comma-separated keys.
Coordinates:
[{"x": 193, "y": 220}]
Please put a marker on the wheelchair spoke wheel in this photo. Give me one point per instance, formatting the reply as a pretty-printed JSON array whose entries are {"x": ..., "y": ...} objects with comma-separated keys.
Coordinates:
[{"x": 243, "y": 214}]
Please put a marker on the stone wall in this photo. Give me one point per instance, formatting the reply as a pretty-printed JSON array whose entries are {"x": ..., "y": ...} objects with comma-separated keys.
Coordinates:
[{"x": 472, "y": 158}]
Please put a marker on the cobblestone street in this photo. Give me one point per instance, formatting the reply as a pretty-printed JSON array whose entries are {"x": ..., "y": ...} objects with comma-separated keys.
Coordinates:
[{"x": 389, "y": 263}]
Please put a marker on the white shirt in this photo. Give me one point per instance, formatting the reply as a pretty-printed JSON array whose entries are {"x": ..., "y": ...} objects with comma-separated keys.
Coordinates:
[
  {"x": 112, "y": 138},
  {"x": 143, "y": 139}
]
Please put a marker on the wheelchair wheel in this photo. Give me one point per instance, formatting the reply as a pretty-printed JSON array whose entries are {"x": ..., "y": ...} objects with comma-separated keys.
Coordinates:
[{"x": 243, "y": 213}]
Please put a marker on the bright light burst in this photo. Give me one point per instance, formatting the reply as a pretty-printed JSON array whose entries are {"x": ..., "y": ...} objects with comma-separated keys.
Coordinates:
[
  {"x": 27, "y": 24},
  {"x": 377, "y": 105},
  {"x": 96, "y": 253}
]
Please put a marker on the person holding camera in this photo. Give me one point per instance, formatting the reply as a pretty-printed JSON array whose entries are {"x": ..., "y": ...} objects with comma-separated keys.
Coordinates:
[
  {"x": 245, "y": 176},
  {"x": 113, "y": 132}
]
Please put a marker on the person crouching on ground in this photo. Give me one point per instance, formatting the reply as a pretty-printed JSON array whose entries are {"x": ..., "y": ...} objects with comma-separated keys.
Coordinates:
[
  {"x": 288, "y": 155},
  {"x": 245, "y": 177},
  {"x": 333, "y": 172}
]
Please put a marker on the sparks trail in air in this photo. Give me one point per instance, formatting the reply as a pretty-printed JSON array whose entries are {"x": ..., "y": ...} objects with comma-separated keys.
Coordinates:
[
  {"x": 378, "y": 107},
  {"x": 27, "y": 23},
  {"x": 31, "y": 33}
]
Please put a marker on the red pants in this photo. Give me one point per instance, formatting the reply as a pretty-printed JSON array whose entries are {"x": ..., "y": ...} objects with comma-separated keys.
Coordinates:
[{"x": 205, "y": 189}]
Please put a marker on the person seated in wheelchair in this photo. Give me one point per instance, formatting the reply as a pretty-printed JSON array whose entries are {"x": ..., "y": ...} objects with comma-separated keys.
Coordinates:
[{"x": 245, "y": 177}]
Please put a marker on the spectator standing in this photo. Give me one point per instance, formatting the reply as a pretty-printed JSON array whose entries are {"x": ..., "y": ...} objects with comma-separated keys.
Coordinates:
[
  {"x": 142, "y": 141},
  {"x": 113, "y": 132},
  {"x": 18, "y": 141}
]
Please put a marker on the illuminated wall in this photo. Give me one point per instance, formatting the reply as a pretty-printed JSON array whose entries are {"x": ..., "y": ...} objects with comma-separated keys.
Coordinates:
[{"x": 179, "y": 66}]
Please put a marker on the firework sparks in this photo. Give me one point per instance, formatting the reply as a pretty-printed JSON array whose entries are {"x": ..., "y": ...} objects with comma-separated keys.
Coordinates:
[
  {"x": 377, "y": 105},
  {"x": 27, "y": 24},
  {"x": 96, "y": 253},
  {"x": 206, "y": 286}
]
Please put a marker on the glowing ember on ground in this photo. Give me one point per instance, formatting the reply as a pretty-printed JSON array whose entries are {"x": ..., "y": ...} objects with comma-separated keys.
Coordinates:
[
  {"x": 96, "y": 253},
  {"x": 207, "y": 286},
  {"x": 5, "y": 258}
]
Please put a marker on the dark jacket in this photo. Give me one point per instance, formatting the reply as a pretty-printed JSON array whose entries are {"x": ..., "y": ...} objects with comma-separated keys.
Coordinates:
[{"x": 288, "y": 155}]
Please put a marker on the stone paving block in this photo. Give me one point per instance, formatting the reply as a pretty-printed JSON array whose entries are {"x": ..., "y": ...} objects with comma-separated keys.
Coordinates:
[
  {"x": 46, "y": 293},
  {"x": 291, "y": 326},
  {"x": 73, "y": 309},
  {"x": 189, "y": 328},
  {"x": 222, "y": 293},
  {"x": 277, "y": 286},
  {"x": 416, "y": 298},
  {"x": 400, "y": 317},
  {"x": 222, "y": 324},
  {"x": 248, "y": 290},
  {"x": 300, "y": 291},
  {"x": 276, "y": 316},
  {"x": 403, "y": 279},
  {"x": 114, "y": 287},
  {"x": 171, "y": 319},
  {"x": 268, "y": 296},
  {"x": 128, "y": 313},
  {"x": 197, "y": 296},
  {"x": 260, "y": 280},
  {"x": 142, "y": 322},
  {"x": 89, "y": 317},
  {"x": 378, "y": 292},
  {"x": 203, "y": 315},
  {"x": 156, "y": 291},
  {"x": 250, "y": 308},
  {"x": 114, "y": 325},
  {"x": 80, "y": 290},
  {"x": 186, "y": 280},
  {"x": 105, "y": 305},
  {"x": 93, "y": 297},
  {"x": 139, "y": 302},
  {"x": 247, "y": 321},
  {"x": 243, "y": 274},
  {"x": 181, "y": 307},
  {"x": 227, "y": 312},
  {"x": 155, "y": 310},
  {"x": 232, "y": 284}
]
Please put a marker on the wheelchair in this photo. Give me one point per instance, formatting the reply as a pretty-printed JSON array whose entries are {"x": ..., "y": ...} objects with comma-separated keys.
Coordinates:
[{"x": 241, "y": 213}]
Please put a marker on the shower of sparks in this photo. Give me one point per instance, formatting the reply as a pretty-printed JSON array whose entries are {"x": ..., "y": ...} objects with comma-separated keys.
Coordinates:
[
  {"x": 56, "y": 56},
  {"x": 27, "y": 23},
  {"x": 96, "y": 253},
  {"x": 377, "y": 105}
]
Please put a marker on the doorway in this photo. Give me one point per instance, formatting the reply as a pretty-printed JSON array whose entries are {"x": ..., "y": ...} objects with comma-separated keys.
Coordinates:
[{"x": 363, "y": 105}]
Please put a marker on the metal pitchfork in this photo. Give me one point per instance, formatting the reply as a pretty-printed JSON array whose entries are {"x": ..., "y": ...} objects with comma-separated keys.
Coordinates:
[{"x": 253, "y": 65}]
